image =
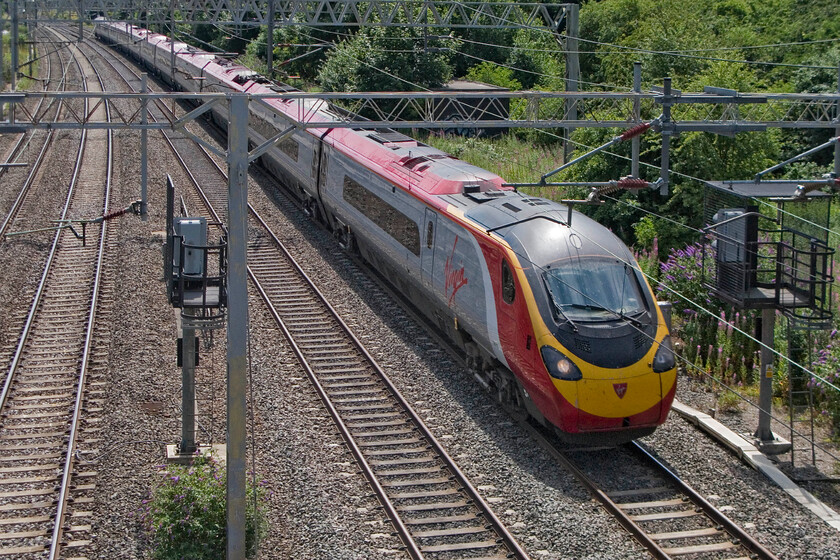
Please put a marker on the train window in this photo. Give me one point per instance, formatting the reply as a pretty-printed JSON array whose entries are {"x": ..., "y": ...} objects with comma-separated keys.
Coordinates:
[
  {"x": 508, "y": 284},
  {"x": 395, "y": 223},
  {"x": 430, "y": 235},
  {"x": 290, "y": 148}
]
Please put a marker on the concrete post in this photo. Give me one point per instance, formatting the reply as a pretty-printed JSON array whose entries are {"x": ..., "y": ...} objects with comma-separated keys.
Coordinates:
[
  {"x": 635, "y": 145},
  {"x": 13, "y": 42},
  {"x": 269, "y": 47},
  {"x": 666, "y": 137},
  {"x": 144, "y": 151},
  {"x": 765, "y": 395},
  {"x": 237, "y": 322},
  {"x": 187, "y": 444},
  {"x": 572, "y": 73}
]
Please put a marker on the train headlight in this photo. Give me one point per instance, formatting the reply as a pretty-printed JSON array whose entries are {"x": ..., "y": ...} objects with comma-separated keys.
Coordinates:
[
  {"x": 664, "y": 359},
  {"x": 558, "y": 365}
]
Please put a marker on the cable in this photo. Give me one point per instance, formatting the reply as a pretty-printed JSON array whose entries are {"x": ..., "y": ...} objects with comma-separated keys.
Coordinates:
[
  {"x": 698, "y": 306},
  {"x": 538, "y": 73},
  {"x": 651, "y": 212},
  {"x": 675, "y": 51},
  {"x": 667, "y": 53},
  {"x": 634, "y": 50},
  {"x": 710, "y": 313},
  {"x": 686, "y": 176},
  {"x": 812, "y": 374},
  {"x": 515, "y": 68}
]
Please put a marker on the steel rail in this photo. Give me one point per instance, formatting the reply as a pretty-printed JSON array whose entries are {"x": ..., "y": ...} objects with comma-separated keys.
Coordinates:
[
  {"x": 19, "y": 146},
  {"x": 42, "y": 284},
  {"x": 60, "y": 503},
  {"x": 404, "y": 534},
  {"x": 64, "y": 490},
  {"x": 715, "y": 514},
  {"x": 622, "y": 517},
  {"x": 656, "y": 550},
  {"x": 498, "y": 526},
  {"x": 36, "y": 165},
  {"x": 643, "y": 537}
]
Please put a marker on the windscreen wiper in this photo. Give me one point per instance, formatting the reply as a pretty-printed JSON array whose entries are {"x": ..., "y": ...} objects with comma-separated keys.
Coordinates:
[
  {"x": 559, "y": 309},
  {"x": 632, "y": 320}
]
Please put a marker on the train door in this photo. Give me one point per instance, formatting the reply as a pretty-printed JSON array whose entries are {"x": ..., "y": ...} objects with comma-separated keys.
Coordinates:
[
  {"x": 324, "y": 157},
  {"x": 318, "y": 206},
  {"x": 427, "y": 248},
  {"x": 505, "y": 302}
]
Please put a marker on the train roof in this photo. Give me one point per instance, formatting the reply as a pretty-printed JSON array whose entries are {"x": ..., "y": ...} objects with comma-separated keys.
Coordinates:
[
  {"x": 415, "y": 166},
  {"x": 539, "y": 225}
]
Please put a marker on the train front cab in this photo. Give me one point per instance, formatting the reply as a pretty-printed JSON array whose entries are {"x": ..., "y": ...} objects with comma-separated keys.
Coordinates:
[{"x": 604, "y": 378}]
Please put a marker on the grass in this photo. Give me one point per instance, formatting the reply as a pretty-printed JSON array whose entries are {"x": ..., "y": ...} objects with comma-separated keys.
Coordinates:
[
  {"x": 515, "y": 160},
  {"x": 729, "y": 401}
]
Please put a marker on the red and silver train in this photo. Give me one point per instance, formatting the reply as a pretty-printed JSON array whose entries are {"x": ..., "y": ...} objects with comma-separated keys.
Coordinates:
[{"x": 555, "y": 319}]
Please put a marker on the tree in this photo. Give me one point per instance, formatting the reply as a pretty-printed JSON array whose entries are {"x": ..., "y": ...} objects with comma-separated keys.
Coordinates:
[
  {"x": 298, "y": 50},
  {"x": 386, "y": 59}
]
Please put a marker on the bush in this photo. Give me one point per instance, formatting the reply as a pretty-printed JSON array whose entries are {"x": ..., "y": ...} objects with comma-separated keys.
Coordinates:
[
  {"x": 185, "y": 515},
  {"x": 826, "y": 364}
]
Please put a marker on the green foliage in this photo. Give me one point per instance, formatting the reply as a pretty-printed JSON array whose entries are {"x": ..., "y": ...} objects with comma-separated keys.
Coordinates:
[
  {"x": 477, "y": 45},
  {"x": 645, "y": 230},
  {"x": 729, "y": 401},
  {"x": 298, "y": 50},
  {"x": 537, "y": 61},
  {"x": 507, "y": 156},
  {"x": 185, "y": 514},
  {"x": 494, "y": 74},
  {"x": 682, "y": 39},
  {"x": 386, "y": 59},
  {"x": 720, "y": 345}
]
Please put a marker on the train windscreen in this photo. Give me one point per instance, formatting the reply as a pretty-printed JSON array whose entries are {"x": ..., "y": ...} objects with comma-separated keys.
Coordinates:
[{"x": 594, "y": 289}]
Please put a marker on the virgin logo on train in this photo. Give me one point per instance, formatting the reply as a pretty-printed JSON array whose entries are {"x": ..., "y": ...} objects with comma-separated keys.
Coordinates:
[
  {"x": 620, "y": 389},
  {"x": 455, "y": 278}
]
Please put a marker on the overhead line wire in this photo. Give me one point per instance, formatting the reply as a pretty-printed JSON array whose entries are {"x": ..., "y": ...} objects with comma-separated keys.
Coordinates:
[
  {"x": 634, "y": 50},
  {"x": 667, "y": 53},
  {"x": 673, "y": 51}
]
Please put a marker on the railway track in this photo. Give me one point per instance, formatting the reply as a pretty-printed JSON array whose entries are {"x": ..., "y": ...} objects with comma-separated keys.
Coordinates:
[
  {"x": 26, "y": 142},
  {"x": 46, "y": 391},
  {"x": 662, "y": 512},
  {"x": 433, "y": 507}
]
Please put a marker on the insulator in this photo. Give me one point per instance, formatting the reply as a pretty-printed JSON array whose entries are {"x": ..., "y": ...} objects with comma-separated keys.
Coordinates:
[
  {"x": 115, "y": 214},
  {"x": 635, "y": 131},
  {"x": 604, "y": 190},
  {"x": 632, "y": 183}
]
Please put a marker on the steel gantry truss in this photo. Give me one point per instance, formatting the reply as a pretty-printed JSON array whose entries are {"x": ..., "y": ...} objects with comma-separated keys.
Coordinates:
[
  {"x": 336, "y": 13},
  {"x": 718, "y": 111},
  {"x": 715, "y": 110}
]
